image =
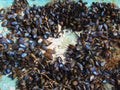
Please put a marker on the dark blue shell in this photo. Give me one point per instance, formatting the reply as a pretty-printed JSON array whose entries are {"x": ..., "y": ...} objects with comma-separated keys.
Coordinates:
[
  {"x": 100, "y": 32},
  {"x": 35, "y": 36},
  {"x": 8, "y": 70},
  {"x": 23, "y": 55},
  {"x": 93, "y": 68},
  {"x": 80, "y": 66},
  {"x": 2, "y": 12},
  {"x": 17, "y": 27},
  {"x": 18, "y": 33},
  {"x": 1, "y": 54},
  {"x": 1, "y": 18},
  {"x": 60, "y": 65},
  {"x": 44, "y": 47},
  {"x": 40, "y": 19},
  {"x": 11, "y": 53},
  {"x": 46, "y": 35},
  {"x": 106, "y": 81},
  {"x": 21, "y": 39},
  {"x": 59, "y": 59},
  {"x": 5, "y": 46},
  {"x": 90, "y": 39},
  {"x": 36, "y": 77},
  {"x": 4, "y": 24},
  {"x": 95, "y": 73},
  {"x": 9, "y": 16},
  {"x": 10, "y": 41},
  {"x": 14, "y": 23},
  {"x": 39, "y": 54},
  {"x": 105, "y": 26},
  {"x": 21, "y": 49},
  {"x": 102, "y": 13},
  {"x": 27, "y": 34},
  {"x": 22, "y": 46},
  {"x": 1, "y": 36},
  {"x": 102, "y": 63},
  {"x": 27, "y": 11},
  {"x": 88, "y": 47},
  {"x": 4, "y": 61},
  {"x": 37, "y": 21},
  {"x": 78, "y": 55},
  {"x": 32, "y": 45}
]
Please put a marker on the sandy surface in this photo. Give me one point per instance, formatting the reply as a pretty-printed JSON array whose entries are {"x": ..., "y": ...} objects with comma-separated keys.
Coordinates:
[{"x": 61, "y": 44}]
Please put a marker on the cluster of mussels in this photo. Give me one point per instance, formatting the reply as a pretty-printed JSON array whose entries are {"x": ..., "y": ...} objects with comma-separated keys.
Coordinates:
[{"x": 96, "y": 64}]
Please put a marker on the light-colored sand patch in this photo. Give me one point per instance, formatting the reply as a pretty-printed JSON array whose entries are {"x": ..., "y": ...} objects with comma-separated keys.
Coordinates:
[
  {"x": 61, "y": 44},
  {"x": 7, "y": 84},
  {"x": 3, "y": 30}
]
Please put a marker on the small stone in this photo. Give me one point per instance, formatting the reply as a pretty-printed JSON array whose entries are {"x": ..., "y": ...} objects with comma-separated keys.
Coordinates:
[{"x": 75, "y": 83}]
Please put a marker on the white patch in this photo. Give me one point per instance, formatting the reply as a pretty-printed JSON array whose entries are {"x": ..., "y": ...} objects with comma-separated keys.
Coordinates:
[
  {"x": 59, "y": 27},
  {"x": 61, "y": 44},
  {"x": 12, "y": 88}
]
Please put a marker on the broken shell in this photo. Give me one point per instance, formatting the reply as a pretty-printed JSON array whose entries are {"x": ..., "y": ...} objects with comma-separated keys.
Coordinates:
[
  {"x": 48, "y": 55},
  {"x": 92, "y": 77},
  {"x": 40, "y": 41}
]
